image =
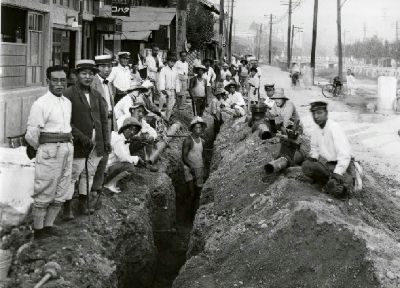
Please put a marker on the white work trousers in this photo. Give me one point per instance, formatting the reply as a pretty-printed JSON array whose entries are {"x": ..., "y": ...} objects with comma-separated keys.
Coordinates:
[
  {"x": 53, "y": 168},
  {"x": 79, "y": 173},
  {"x": 170, "y": 102}
]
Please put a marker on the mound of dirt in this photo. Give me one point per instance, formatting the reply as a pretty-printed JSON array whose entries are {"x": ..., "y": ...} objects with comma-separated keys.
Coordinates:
[{"x": 254, "y": 230}]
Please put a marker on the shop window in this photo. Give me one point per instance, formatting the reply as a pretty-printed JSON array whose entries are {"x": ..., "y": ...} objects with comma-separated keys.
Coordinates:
[
  {"x": 61, "y": 2},
  {"x": 35, "y": 48},
  {"x": 13, "y": 25}
]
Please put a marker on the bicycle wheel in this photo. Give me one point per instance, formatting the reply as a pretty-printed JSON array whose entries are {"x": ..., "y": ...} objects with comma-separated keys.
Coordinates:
[{"x": 327, "y": 90}]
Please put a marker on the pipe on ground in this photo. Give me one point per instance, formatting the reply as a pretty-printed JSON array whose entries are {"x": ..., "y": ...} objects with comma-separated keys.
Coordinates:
[
  {"x": 276, "y": 165},
  {"x": 264, "y": 132},
  {"x": 161, "y": 145}
]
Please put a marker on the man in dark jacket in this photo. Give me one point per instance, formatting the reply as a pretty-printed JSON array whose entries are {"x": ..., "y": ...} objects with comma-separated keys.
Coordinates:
[{"x": 90, "y": 132}]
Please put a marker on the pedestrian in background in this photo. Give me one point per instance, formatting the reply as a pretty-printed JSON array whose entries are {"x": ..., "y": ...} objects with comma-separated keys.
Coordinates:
[
  {"x": 210, "y": 76},
  {"x": 49, "y": 132},
  {"x": 121, "y": 77},
  {"x": 182, "y": 68},
  {"x": 90, "y": 132},
  {"x": 351, "y": 83},
  {"x": 198, "y": 90},
  {"x": 169, "y": 85}
]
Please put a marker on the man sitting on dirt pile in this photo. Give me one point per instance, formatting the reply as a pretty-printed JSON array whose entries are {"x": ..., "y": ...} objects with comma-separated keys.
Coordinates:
[
  {"x": 235, "y": 101},
  {"x": 283, "y": 115},
  {"x": 330, "y": 162},
  {"x": 120, "y": 161}
]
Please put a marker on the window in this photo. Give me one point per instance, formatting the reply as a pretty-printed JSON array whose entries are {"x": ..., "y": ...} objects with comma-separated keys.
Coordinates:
[
  {"x": 61, "y": 2},
  {"x": 13, "y": 25},
  {"x": 35, "y": 48}
]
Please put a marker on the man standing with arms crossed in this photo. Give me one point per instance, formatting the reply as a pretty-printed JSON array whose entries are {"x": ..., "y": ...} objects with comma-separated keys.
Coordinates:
[
  {"x": 49, "y": 132},
  {"x": 90, "y": 130},
  {"x": 104, "y": 87}
]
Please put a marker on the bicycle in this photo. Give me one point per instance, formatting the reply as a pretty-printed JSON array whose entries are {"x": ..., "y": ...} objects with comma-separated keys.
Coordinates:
[{"x": 331, "y": 90}]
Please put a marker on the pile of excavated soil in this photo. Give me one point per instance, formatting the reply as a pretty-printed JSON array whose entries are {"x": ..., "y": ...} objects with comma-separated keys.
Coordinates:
[{"x": 254, "y": 230}]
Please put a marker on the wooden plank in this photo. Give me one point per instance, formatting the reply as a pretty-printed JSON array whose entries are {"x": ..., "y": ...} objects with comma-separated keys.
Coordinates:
[
  {"x": 10, "y": 71},
  {"x": 13, "y": 82},
  {"x": 13, "y": 117},
  {"x": 11, "y": 49},
  {"x": 6, "y": 60}
]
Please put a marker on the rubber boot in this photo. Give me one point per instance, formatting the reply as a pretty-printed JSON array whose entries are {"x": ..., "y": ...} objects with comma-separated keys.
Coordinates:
[
  {"x": 83, "y": 207},
  {"x": 67, "y": 211}
]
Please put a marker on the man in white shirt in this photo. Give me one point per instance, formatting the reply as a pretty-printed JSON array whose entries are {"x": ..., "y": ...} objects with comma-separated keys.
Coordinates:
[
  {"x": 49, "y": 132},
  {"x": 210, "y": 76},
  {"x": 169, "y": 85},
  {"x": 121, "y": 76},
  {"x": 351, "y": 82},
  {"x": 330, "y": 155},
  {"x": 120, "y": 162},
  {"x": 182, "y": 68},
  {"x": 225, "y": 71},
  {"x": 235, "y": 101}
]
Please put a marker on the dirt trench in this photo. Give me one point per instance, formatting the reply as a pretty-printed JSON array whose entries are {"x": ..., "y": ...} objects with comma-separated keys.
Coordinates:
[
  {"x": 138, "y": 239},
  {"x": 255, "y": 230}
]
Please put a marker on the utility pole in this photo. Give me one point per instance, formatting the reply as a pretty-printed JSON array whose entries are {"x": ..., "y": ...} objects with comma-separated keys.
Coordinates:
[
  {"x": 270, "y": 40},
  {"x": 397, "y": 31},
  {"x": 288, "y": 35},
  {"x": 221, "y": 29},
  {"x": 339, "y": 31},
  {"x": 314, "y": 39},
  {"x": 181, "y": 11},
  {"x": 291, "y": 44},
  {"x": 230, "y": 34},
  {"x": 259, "y": 42}
]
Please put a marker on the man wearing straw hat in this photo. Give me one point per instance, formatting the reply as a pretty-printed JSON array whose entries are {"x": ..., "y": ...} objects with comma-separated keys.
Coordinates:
[
  {"x": 283, "y": 115},
  {"x": 225, "y": 71},
  {"x": 106, "y": 90},
  {"x": 121, "y": 77},
  {"x": 192, "y": 157},
  {"x": 90, "y": 131},
  {"x": 169, "y": 85},
  {"x": 235, "y": 100},
  {"x": 120, "y": 161},
  {"x": 49, "y": 132},
  {"x": 198, "y": 90}
]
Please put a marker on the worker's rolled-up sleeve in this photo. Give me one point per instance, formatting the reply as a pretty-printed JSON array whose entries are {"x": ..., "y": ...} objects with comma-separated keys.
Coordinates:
[{"x": 36, "y": 121}]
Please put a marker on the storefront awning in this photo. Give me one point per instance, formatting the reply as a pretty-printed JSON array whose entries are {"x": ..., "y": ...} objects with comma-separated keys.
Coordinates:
[{"x": 137, "y": 36}]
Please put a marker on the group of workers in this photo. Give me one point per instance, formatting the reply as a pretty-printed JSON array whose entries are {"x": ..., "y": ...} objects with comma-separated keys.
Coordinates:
[{"x": 88, "y": 136}]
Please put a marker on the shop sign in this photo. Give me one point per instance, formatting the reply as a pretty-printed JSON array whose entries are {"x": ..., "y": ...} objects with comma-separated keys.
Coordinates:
[{"x": 120, "y": 9}]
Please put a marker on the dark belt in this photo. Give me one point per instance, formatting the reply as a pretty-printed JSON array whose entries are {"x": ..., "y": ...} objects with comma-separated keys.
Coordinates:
[
  {"x": 55, "y": 137},
  {"x": 332, "y": 162}
]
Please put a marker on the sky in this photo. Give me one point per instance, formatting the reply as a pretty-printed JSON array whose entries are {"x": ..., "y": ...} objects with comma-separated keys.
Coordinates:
[{"x": 378, "y": 16}]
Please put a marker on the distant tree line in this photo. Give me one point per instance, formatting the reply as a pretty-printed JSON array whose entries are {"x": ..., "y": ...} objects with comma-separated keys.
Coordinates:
[{"x": 372, "y": 49}]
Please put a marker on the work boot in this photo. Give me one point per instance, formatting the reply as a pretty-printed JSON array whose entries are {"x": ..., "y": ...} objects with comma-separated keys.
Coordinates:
[
  {"x": 39, "y": 234},
  {"x": 52, "y": 231},
  {"x": 83, "y": 207},
  {"x": 67, "y": 211}
]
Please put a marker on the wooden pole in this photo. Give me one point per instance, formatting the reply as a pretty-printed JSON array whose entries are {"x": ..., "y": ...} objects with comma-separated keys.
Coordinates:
[
  {"x": 270, "y": 41},
  {"x": 181, "y": 12},
  {"x": 288, "y": 34},
  {"x": 291, "y": 44},
  {"x": 314, "y": 39},
  {"x": 339, "y": 31},
  {"x": 259, "y": 42},
  {"x": 230, "y": 34},
  {"x": 221, "y": 29}
]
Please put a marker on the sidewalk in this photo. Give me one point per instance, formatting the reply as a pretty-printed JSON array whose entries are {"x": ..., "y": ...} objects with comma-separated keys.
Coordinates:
[{"x": 373, "y": 136}]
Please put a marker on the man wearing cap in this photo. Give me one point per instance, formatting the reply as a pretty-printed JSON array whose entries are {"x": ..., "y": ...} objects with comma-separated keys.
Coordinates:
[
  {"x": 120, "y": 160},
  {"x": 121, "y": 77},
  {"x": 89, "y": 123},
  {"x": 49, "y": 132},
  {"x": 330, "y": 156},
  {"x": 169, "y": 85},
  {"x": 283, "y": 115},
  {"x": 235, "y": 100},
  {"x": 210, "y": 76},
  {"x": 104, "y": 87},
  {"x": 192, "y": 157},
  {"x": 198, "y": 90},
  {"x": 182, "y": 68}
]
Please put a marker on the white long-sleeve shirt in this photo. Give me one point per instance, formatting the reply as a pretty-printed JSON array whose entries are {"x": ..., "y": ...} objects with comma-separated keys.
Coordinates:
[
  {"x": 332, "y": 144},
  {"x": 182, "y": 68},
  {"x": 123, "y": 105},
  {"x": 152, "y": 66},
  {"x": 50, "y": 114},
  {"x": 235, "y": 98},
  {"x": 120, "y": 150},
  {"x": 210, "y": 76},
  {"x": 168, "y": 79},
  {"x": 146, "y": 128},
  {"x": 121, "y": 77}
]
